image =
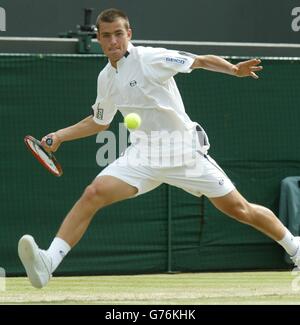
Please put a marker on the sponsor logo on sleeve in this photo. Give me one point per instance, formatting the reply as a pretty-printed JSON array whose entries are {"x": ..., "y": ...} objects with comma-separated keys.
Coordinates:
[
  {"x": 176, "y": 60},
  {"x": 99, "y": 112}
]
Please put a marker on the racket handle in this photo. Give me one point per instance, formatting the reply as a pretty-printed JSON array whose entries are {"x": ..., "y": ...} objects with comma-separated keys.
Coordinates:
[{"x": 49, "y": 141}]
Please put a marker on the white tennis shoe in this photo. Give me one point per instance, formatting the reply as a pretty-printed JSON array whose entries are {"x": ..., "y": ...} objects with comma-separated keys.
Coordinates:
[
  {"x": 37, "y": 263},
  {"x": 296, "y": 258}
]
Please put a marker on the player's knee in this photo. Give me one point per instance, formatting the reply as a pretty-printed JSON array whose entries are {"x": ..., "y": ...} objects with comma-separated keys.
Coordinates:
[
  {"x": 242, "y": 212},
  {"x": 94, "y": 195}
]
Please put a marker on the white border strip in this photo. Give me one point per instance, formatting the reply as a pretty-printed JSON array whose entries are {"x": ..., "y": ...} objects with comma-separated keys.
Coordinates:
[
  {"x": 191, "y": 43},
  {"x": 39, "y": 39},
  {"x": 42, "y": 55},
  {"x": 288, "y": 45}
]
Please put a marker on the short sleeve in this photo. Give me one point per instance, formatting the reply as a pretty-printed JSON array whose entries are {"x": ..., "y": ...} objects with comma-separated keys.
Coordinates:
[
  {"x": 103, "y": 111},
  {"x": 162, "y": 64}
]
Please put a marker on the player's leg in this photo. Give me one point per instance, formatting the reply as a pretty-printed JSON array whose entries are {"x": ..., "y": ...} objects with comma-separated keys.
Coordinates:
[
  {"x": 261, "y": 218},
  {"x": 207, "y": 178},
  {"x": 116, "y": 182},
  {"x": 40, "y": 264},
  {"x": 102, "y": 192}
]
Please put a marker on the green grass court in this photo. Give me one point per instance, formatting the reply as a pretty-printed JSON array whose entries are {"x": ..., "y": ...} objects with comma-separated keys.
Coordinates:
[{"x": 161, "y": 289}]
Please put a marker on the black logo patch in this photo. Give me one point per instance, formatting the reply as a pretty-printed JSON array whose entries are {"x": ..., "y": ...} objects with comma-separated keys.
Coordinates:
[
  {"x": 133, "y": 83},
  {"x": 99, "y": 113}
]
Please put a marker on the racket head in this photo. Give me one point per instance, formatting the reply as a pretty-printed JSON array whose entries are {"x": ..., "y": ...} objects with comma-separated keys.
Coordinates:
[{"x": 45, "y": 158}]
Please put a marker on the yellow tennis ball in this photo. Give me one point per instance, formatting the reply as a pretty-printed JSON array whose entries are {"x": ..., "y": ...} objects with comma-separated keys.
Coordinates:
[{"x": 132, "y": 121}]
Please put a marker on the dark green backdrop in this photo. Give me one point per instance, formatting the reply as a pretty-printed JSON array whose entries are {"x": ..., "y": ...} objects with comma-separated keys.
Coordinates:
[
  {"x": 191, "y": 20},
  {"x": 253, "y": 129}
]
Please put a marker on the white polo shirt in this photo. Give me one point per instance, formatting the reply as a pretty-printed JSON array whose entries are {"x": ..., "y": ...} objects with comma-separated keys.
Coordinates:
[{"x": 143, "y": 83}]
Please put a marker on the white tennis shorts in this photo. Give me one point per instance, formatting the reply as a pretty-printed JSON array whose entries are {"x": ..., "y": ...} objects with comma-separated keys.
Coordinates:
[{"x": 204, "y": 177}]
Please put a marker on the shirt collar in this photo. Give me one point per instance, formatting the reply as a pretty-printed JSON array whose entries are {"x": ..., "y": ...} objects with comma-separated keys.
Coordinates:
[{"x": 129, "y": 48}]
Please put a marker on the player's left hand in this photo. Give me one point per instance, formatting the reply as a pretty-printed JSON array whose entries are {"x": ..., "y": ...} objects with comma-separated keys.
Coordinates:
[{"x": 248, "y": 68}]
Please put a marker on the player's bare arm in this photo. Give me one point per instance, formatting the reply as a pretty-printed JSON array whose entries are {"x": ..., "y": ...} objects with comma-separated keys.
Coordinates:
[
  {"x": 82, "y": 129},
  {"x": 215, "y": 63}
]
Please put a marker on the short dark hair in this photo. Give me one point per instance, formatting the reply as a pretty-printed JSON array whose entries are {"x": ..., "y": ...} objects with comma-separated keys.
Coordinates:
[{"x": 111, "y": 15}]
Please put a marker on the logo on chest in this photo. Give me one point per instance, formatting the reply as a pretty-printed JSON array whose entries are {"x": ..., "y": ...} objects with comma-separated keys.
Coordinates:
[{"x": 133, "y": 83}]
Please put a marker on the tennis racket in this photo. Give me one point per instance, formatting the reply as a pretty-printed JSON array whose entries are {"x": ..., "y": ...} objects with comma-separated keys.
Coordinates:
[{"x": 45, "y": 158}]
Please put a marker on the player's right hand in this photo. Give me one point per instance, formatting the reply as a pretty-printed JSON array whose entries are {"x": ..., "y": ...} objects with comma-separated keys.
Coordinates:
[{"x": 51, "y": 145}]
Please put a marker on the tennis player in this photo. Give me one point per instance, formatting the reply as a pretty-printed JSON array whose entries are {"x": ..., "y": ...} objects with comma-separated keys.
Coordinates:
[{"x": 140, "y": 80}]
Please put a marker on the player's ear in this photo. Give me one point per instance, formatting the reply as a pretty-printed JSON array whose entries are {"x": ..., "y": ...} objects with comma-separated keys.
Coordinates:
[{"x": 129, "y": 33}]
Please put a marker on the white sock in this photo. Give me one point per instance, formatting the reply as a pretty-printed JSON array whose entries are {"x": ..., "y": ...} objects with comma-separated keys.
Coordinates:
[
  {"x": 57, "y": 251},
  {"x": 289, "y": 243}
]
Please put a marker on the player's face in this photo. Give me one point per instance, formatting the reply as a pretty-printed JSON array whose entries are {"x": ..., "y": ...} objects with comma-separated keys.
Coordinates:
[{"x": 113, "y": 38}]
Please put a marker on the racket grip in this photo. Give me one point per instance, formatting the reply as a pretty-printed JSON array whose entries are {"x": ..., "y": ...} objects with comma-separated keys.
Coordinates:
[{"x": 49, "y": 141}]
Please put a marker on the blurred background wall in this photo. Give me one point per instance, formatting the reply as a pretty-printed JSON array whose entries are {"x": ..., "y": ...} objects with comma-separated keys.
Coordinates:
[{"x": 191, "y": 20}]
